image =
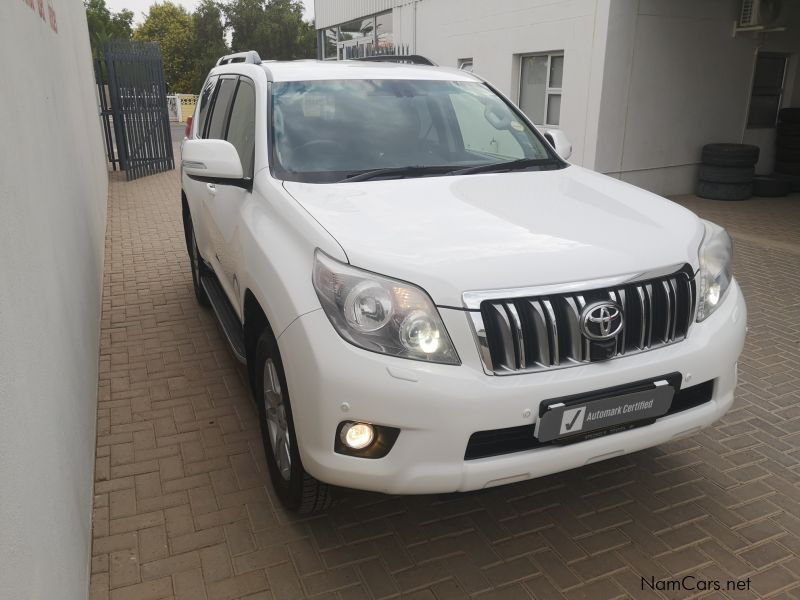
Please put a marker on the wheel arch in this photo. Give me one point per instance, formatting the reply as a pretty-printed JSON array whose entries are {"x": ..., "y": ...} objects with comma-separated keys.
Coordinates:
[
  {"x": 185, "y": 212},
  {"x": 254, "y": 321}
]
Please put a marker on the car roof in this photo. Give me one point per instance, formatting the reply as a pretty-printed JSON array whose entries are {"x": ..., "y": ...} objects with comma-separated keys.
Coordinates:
[{"x": 306, "y": 70}]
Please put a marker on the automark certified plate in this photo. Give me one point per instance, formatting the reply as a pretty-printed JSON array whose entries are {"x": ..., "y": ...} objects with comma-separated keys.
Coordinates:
[{"x": 565, "y": 419}]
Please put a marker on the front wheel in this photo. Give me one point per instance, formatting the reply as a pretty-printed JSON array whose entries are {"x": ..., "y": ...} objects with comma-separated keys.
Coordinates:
[{"x": 297, "y": 490}]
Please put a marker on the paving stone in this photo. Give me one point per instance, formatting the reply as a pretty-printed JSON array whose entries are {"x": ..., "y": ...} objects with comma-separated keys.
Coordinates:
[{"x": 181, "y": 484}]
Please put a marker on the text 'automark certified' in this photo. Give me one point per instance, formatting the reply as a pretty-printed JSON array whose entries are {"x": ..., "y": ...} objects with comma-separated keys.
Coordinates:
[{"x": 562, "y": 420}]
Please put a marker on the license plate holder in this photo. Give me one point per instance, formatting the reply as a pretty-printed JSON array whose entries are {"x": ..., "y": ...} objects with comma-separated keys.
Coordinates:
[{"x": 615, "y": 409}]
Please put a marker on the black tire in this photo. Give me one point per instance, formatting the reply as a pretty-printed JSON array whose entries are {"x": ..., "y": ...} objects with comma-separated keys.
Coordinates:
[
  {"x": 788, "y": 128},
  {"x": 714, "y": 174},
  {"x": 789, "y": 115},
  {"x": 724, "y": 191},
  {"x": 196, "y": 263},
  {"x": 790, "y": 142},
  {"x": 787, "y": 168},
  {"x": 789, "y": 155},
  {"x": 298, "y": 491},
  {"x": 771, "y": 187},
  {"x": 730, "y": 155}
]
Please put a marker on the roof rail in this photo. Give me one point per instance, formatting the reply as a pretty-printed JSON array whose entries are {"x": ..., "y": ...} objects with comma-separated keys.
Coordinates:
[
  {"x": 251, "y": 57},
  {"x": 411, "y": 59}
]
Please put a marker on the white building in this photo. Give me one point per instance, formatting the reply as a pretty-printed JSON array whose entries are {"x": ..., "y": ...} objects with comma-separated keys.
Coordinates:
[{"x": 638, "y": 86}]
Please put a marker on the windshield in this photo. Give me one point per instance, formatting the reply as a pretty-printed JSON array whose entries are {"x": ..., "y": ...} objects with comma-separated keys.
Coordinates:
[{"x": 326, "y": 131}]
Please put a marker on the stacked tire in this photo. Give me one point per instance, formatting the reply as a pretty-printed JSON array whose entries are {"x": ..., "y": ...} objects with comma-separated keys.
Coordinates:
[
  {"x": 787, "y": 151},
  {"x": 727, "y": 171}
]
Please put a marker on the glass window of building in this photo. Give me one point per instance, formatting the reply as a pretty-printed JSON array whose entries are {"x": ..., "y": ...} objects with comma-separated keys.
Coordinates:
[
  {"x": 329, "y": 49},
  {"x": 540, "y": 82},
  {"x": 357, "y": 38},
  {"x": 384, "y": 32},
  {"x": 765, "y": 98}
]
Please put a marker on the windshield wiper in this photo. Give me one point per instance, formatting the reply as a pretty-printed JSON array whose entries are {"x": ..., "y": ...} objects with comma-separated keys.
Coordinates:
[
  {"x": 399, "y": 172},
  {"x": 419, "y": 170},
  {"x": 509, "y": 165}
]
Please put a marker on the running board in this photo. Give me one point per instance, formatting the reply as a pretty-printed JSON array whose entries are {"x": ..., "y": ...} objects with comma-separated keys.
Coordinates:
[{"x": 226, "y": 316}]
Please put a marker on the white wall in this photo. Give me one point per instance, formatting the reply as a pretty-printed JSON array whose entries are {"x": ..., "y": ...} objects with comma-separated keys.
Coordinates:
[
  {"x": 53, "y": 185},
  {"x": 675, "y": 79}
]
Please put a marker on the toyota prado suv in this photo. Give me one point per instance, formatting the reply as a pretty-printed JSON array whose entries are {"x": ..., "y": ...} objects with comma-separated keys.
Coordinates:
[{"x": 427, "y": 297}]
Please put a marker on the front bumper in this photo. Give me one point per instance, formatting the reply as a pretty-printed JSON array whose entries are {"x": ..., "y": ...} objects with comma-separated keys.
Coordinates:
[{"x": 438, "y": 407}]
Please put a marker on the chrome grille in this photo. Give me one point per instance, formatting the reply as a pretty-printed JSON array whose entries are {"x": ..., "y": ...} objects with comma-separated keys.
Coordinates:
[{"x": 543, "y": 332}]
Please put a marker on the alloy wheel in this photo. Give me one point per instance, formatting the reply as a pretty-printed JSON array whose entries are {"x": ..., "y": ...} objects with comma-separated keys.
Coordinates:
[{"x": 277, "y": 424}]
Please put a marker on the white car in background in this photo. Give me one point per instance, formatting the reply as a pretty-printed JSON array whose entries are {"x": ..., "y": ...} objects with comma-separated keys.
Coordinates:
[{"x": 427, "y": 297}]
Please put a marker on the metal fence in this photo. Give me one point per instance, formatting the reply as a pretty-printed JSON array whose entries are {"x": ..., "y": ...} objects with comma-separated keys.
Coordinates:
[
  {"x": 106, "y": 120},
  {"x": 135, "y": 108},
  {"x": 366, "y": 50}
]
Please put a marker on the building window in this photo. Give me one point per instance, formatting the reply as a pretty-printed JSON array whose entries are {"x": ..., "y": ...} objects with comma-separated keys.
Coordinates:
[
  {"x": 465, "y": 64},
  {"x": 540, "y": 82},
  {"x": 384, "y": 33},
  {"x": 357, "y": 38},
  {"x": 765, "y": 100},
  {"x": 362, "y": 37},
  {"x": 330, "y": 35}
]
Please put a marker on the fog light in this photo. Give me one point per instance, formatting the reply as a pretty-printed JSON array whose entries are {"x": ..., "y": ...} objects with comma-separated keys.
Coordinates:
[{"x": 357, "y": 435}]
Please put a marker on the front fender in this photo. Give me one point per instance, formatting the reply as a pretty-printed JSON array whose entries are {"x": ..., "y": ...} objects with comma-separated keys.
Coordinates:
[{"x": 278, "y": 240}]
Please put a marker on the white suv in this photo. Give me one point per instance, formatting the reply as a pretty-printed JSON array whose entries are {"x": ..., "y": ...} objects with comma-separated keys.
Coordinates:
[{"x": 427, "y": 297}]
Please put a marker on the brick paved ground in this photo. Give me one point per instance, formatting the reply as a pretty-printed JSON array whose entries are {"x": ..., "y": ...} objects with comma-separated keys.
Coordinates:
[{"x": 183, "y": 508}]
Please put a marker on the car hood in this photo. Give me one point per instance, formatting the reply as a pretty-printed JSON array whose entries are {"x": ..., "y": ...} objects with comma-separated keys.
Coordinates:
[{"x": 455, "y": 234}]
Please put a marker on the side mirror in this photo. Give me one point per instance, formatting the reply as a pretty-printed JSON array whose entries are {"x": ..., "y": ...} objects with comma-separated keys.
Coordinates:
[
  {"x": 558, "y": 140},
  {"x": 212, "y": 161}
]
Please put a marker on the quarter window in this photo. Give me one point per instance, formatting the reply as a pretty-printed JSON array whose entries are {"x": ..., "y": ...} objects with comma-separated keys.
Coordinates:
[
  {"x": 242, "y": 127},
  {"x": 219, "y": 117},
  {"x": 540, "y": 82}
]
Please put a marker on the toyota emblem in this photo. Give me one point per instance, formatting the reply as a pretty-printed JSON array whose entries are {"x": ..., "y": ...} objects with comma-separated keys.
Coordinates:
[{"x": 601, "y": 320}]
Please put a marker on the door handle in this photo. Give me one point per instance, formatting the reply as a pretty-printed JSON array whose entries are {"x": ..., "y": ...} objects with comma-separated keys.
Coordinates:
[{"x": 212, "y": 188}]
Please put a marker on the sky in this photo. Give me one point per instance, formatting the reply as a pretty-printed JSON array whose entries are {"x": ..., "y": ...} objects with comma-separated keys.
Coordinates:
[{"x": 141, "y": 6}]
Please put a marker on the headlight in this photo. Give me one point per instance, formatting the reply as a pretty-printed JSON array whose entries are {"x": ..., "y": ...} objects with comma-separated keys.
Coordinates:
[
  {"x": 715, "y": 269},
  {"x": 381, "y": 314}
]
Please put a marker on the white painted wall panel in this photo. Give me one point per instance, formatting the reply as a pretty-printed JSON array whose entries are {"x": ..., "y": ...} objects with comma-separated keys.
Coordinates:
[{"x": 52, "y": 224}]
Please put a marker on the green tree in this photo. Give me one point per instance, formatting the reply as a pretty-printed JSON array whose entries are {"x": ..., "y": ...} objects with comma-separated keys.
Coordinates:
[
  {"x": 274, "y": 28},
  {"x": 209, "y": 41},
  {"x": 105, "y": 25},
  {"x": 173, "y": 28}
]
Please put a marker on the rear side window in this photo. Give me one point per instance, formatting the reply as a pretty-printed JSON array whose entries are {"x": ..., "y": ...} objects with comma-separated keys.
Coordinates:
[
  {"x": 205, "y": 102},
  {"x": 242, "y": 127},
  {"x": 219, "y": 116}
]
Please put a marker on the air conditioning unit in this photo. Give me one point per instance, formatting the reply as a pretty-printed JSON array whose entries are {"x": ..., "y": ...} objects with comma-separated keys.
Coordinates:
[{"x": 760, "y": 13}]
